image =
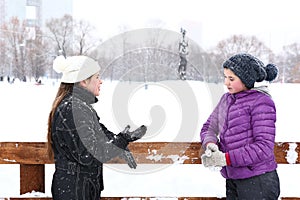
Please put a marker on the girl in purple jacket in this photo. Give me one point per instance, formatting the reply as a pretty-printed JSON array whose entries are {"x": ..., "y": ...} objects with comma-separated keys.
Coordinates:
[{"x": 239, "y": 135}]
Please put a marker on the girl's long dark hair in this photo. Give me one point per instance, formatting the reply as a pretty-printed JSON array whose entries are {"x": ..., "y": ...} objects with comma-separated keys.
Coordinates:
[{"x": 63, "y": 90}]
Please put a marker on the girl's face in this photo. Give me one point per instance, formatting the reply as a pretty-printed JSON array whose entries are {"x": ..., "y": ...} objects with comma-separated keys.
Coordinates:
[
  {"x": 233, "y": 82},
  {"x": 92, "y": 84}
]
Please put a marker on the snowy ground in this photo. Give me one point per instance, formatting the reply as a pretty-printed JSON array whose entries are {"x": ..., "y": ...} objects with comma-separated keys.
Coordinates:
[{"x": 173, "y": 110}]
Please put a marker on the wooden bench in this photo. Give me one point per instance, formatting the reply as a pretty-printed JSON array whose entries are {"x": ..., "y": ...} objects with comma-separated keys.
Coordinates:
[{"x": 32, "y": 158}]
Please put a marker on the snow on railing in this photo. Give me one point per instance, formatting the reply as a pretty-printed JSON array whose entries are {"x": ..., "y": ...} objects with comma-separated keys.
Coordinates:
[{"x": 32, "y": 159}]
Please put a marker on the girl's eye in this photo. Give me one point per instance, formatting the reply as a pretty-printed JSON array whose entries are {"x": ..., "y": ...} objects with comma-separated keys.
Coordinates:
[{"x": 230, "y": 78}]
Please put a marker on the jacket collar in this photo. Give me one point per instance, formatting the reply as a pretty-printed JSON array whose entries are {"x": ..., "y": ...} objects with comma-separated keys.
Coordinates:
[
  {"x": 263, "y": 89},
  {"x": 248, "y": 92},
  {"x": 84, "y": 94}
]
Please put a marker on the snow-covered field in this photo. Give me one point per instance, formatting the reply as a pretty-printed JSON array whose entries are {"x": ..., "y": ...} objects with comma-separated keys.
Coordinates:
[{"x": 173, "y": 111}]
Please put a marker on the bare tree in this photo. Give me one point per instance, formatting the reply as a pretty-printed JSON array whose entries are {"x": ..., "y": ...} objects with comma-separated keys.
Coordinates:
[
  {"x": 239, "y": 44},
  {"x": 15, "y": 33},
  {"x": 4, "y": 66},
  {"x": 38, "y": 57},
  {"x": 290, "y": 63},
  {"x": 83, "y": 39},
  {"x": 71, "y": 37},
  {"x": 61, "y": 32},
  {"x": 296, "y": 75},
  {"x": 244, "y": 44}
]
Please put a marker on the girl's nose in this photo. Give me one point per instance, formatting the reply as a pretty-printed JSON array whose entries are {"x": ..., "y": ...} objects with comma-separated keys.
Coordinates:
[{"x": 226, "y": 82}]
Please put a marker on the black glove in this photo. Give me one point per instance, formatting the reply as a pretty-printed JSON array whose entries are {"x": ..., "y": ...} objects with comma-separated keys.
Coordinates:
[
  {"x": 134, "y": 135},
  {"x": 127, "y": 155}
]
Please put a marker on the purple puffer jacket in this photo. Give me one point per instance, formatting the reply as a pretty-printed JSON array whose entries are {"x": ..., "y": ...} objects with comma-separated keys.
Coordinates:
[{"x": 243, "y": 124}]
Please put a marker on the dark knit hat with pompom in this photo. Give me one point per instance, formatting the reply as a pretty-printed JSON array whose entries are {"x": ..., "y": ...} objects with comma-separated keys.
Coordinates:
[{"x": 250, "y": 69}]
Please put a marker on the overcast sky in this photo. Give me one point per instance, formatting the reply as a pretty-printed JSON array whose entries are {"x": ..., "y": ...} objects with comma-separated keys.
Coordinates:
[{"x": 276, "y": 22}]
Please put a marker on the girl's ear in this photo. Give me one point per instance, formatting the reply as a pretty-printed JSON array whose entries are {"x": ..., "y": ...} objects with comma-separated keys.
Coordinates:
[{"x": 83, "y": 83}]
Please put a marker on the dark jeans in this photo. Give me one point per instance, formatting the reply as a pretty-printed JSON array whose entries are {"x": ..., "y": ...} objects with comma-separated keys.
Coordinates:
[
  {"x": 262, "y": 187},
  {"x": 75, "y": 185}
]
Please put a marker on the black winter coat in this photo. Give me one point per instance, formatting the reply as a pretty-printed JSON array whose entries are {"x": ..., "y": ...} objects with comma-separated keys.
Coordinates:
[{"x": 81, "y": 144}]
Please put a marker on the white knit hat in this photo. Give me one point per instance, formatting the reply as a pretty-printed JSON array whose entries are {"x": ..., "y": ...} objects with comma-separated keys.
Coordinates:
[{"x": 75, "y": 68}]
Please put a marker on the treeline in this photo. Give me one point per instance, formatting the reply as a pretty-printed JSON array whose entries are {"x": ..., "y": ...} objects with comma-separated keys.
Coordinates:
[
  {"x": 148, "y": 55},
  {"x": 28, "y": 52}
]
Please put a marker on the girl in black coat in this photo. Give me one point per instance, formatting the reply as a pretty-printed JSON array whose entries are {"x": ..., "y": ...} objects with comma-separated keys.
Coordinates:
[{"x": 79, "y": 143}]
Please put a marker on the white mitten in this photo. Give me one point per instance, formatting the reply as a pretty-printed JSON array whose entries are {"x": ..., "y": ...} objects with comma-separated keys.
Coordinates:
[
  {"x": 211, "y": 147},
  {"x": 216, "y": 159}
]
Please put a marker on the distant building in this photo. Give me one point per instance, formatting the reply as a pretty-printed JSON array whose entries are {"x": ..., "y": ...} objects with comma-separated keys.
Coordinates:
[{"x": 35, "y": 12}]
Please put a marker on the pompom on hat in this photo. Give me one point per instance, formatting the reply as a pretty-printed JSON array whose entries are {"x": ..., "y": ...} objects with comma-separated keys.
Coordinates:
[
  {"x": 75, "y": 68},
  {"x": 250, "y": 69}
]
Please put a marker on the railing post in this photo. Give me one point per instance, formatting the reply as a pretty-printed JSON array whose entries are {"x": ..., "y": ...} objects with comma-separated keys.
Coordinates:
[{"x": 32, "y": 177}]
